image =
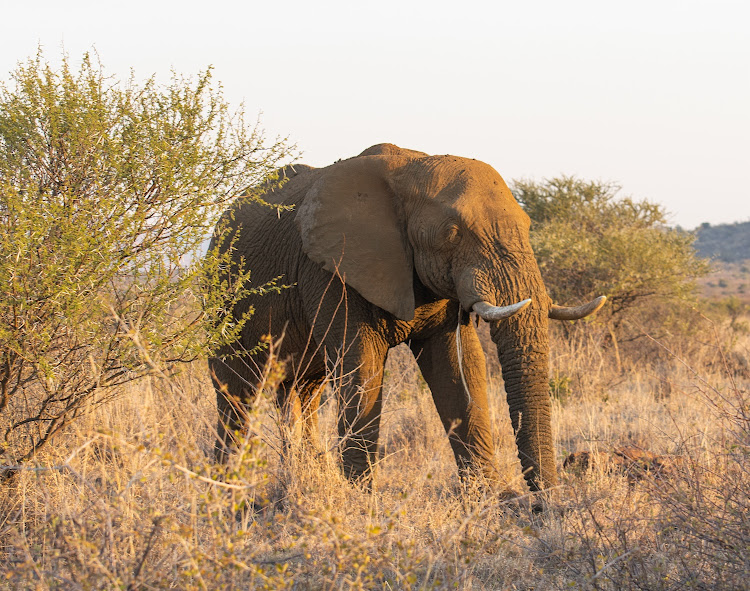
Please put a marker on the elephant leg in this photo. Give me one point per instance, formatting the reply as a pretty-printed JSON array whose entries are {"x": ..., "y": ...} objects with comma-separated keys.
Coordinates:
[
  {"x": 298, "y": 408},
  {"x": 234, "y": 393},
  {"x": 465, "y": 416},
  {"x": 290, "y": 417},
  {"x": 309, "y": 396},
  {"x": 355, "y": 354},
  {"x": 358, "y": 370}
]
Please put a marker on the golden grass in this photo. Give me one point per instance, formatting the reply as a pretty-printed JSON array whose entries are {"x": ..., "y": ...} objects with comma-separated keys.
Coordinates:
[{"x": 130, "y": 499}]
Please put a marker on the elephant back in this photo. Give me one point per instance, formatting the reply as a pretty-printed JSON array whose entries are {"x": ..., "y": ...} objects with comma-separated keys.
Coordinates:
[{"x": 391, "y": 150}]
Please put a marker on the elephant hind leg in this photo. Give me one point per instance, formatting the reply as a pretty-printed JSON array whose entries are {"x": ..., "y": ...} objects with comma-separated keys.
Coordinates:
[
  {"x": 298, "y": 404},
  {"x": 360, "y": 406},
  {"x": 309, "y": 395},
  {"x": 234, "y": 394}
]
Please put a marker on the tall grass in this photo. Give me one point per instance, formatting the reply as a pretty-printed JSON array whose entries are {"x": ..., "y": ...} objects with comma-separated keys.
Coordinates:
[{"x": 130, "y": 498}]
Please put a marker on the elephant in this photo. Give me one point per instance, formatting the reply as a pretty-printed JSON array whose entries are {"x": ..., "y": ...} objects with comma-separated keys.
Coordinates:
[{"x": 394, "y": 246}]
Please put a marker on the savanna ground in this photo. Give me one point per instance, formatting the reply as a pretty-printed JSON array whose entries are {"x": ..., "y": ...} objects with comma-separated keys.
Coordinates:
[
  {"x": 728, "y": 280},
  {"x": 129, "y": 497}
]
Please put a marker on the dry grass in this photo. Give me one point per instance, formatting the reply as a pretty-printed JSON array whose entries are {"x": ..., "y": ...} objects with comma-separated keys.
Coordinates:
[{"x": 129, "y": 498}]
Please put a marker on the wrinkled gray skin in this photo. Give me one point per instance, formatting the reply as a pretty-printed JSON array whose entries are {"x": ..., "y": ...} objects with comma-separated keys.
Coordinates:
[{"x": 415, "y": 238}]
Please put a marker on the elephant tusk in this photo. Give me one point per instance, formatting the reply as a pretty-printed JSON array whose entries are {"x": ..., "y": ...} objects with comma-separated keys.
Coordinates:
[
  {"x": 576, "y": 312},
  {"x": 489, "y": 312}
]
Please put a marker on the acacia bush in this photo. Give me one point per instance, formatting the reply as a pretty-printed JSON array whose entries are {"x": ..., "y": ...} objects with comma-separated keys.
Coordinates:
[
  {"x": 589, "y": 241},
  {"x": 108, "y": 191}
]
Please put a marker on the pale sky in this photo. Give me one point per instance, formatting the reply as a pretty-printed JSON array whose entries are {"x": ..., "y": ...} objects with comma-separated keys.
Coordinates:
[{"x": 653, "y": 95}]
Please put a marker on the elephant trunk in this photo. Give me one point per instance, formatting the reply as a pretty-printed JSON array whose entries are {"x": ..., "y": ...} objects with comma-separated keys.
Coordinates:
[
  {"x": 524, "y": 357},
  {"x": 523, "y": 348}
]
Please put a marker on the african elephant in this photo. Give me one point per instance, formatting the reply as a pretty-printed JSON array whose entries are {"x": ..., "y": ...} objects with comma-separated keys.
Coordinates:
[{"x": 396, "y": 246}]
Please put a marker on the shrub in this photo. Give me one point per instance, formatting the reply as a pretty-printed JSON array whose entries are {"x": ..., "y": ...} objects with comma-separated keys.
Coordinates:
[
  {"x": 589, "y": 242},
  {"x": 107, "y": 193}
]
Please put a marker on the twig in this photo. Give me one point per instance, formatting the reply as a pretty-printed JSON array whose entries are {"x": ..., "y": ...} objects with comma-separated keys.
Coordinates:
[{"x": 600, "y": 572}]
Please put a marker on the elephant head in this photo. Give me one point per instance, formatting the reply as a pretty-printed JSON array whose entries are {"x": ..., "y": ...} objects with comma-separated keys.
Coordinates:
[{"x": 399, "y": 224}]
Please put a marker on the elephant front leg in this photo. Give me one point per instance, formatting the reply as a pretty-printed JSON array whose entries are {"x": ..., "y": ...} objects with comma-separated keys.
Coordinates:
[
  {"x": 360, "y": 406},
  {"x": 355, "y": 353},
  {"x": 461, "y": 402}
]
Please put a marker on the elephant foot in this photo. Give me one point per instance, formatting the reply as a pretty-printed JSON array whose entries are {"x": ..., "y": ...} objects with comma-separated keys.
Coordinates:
[
  {"x": 221, "y": 453},
  {"x": 362, "y": 479},
  {"x": 260, "y": 509},
  {"x": 521, "y": 504},
  {"x": 311, "y": 447},
  {"x": 358, "y": 463}
]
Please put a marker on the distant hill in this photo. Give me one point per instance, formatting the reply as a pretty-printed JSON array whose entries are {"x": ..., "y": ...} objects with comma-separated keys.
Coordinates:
[{"x": 729, "y": 243}]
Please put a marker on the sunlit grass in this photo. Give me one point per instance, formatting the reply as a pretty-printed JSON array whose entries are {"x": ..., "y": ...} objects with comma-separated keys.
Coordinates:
[{"x": 130, "y": 498}]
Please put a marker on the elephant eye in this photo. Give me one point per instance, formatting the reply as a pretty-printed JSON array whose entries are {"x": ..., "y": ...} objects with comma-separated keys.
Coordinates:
[{"x": 452, "y": 234}]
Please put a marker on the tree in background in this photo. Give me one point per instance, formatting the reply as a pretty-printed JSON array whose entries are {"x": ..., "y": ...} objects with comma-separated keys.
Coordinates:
[
  {"x": 590, "y": 242},
  {"x": 108, "y": 192}
]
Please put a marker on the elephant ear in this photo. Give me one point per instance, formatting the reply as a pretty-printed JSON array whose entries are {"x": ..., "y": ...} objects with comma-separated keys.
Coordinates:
[{"x": 351, "y": 224}]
